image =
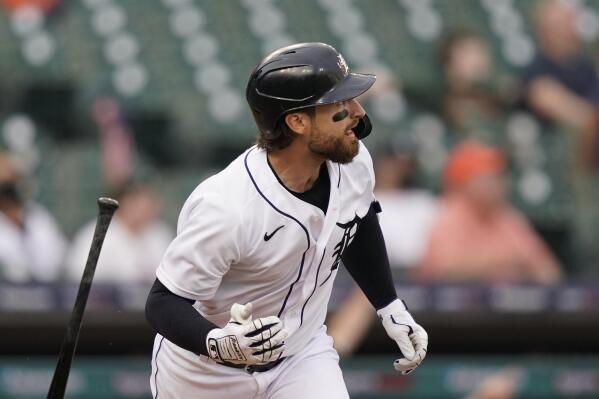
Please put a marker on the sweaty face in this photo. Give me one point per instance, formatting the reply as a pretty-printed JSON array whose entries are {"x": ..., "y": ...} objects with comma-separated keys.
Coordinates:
[{"x": 332, "y": 136}]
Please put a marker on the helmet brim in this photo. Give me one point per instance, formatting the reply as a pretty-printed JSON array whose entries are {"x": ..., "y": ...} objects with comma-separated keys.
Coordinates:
[{"x": 351, "y": 87}]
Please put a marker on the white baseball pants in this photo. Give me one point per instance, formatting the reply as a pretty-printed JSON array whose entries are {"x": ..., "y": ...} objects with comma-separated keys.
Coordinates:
[{"x": 313, "y": 373}]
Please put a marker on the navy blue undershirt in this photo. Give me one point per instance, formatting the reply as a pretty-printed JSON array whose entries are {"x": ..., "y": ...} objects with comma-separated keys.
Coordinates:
[{"x": 318, "y": 195}]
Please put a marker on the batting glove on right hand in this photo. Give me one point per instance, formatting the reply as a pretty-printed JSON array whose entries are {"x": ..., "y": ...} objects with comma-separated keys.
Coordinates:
[
  {"x": 243, "y": 341},
  {"x": 410, "y": 336}
]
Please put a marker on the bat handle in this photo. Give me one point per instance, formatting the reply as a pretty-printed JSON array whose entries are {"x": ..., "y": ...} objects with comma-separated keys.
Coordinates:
[{"x": 106, "y": 209}]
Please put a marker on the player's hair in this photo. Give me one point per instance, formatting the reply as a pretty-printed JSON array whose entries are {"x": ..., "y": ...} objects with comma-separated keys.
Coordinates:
[{"x": 282, "y": 134}]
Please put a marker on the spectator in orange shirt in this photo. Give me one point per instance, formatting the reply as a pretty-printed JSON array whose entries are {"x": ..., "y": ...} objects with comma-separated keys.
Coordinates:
[{"x": 478, "y": 235}]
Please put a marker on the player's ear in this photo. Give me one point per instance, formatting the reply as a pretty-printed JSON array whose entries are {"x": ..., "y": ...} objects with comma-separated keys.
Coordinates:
[{"x": 298, "y": 122}]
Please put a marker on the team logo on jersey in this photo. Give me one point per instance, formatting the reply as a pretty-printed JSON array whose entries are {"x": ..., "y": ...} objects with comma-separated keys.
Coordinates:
[
  {"x": 349, "y": 231},
  {"x": 342, "y": 65}
]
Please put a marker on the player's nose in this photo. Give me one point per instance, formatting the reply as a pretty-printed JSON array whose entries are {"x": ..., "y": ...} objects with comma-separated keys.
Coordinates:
[{"x": 356, "y": 110}]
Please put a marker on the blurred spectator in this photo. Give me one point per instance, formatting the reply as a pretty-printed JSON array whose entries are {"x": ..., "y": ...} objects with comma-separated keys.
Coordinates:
[
  {"x": 503, "y": 384},
  {"x": 478, "y": 236},
  {"x": 44, "y": 5},
  {"x": 115, "y": 140},
  {"x": 561, "y": 84},
  {"x": 471, "y": 99},
  {"x": 32, "y": 245},
  {"x": 408, "y": 211},
  {"x": 134, "y": 244},
  {"x": 351, "y": 322},
  {"x": 500, "y": 385}
]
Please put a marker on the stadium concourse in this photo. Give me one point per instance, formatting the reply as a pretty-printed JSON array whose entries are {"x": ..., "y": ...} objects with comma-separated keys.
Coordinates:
[{"x": 96, "y": 95}]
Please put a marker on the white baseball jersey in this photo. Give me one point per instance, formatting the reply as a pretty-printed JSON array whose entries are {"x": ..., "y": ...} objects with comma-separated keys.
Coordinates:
[{"x": 243, "y": 237}]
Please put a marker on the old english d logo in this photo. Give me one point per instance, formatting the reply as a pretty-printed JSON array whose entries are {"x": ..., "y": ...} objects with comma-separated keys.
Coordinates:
[{"x": 349, "y": 231}]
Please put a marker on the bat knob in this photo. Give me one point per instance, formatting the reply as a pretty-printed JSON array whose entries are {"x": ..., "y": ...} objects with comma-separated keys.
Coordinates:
[{"x": 108, "y": 204}]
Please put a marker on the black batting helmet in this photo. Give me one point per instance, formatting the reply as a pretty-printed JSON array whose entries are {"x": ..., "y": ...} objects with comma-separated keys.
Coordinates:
[{"x": 300, "y": 76}]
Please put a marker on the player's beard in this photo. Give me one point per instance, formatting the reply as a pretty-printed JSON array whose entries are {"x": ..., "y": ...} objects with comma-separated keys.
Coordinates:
[{"x": 341, "y": 149}]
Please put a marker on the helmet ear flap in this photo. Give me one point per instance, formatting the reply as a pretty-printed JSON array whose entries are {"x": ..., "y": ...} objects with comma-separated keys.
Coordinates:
[{"x": 363, "y": 128}]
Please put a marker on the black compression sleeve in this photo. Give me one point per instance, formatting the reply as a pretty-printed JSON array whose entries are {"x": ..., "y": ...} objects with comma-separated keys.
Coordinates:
[
  {"x": 367, "y": 262},
  {"x": 174, "y": 318}
]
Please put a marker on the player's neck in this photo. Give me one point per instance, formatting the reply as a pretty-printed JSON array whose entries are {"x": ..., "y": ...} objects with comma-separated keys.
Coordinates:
[{"x": 297, "y": 167}]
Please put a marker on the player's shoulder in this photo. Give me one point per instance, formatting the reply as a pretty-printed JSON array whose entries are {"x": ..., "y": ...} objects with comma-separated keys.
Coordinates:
[{"x": 229, "y": 186}]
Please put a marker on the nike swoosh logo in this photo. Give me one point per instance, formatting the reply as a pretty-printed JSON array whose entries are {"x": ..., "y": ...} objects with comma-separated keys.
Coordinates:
[{"x": 269, "y": 236}]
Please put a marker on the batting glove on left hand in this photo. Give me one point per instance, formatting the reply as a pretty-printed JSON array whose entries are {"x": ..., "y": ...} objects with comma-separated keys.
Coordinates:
[{"x": 410, "y": 336}]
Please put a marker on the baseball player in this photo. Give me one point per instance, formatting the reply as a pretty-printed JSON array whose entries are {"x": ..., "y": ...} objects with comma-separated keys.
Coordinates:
[{"x": 241, "y": 294}]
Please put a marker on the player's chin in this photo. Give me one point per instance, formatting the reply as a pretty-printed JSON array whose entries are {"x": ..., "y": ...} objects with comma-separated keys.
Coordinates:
[
  {"x": 346, "y": 152},
  {"x": 352, "y": 143}
]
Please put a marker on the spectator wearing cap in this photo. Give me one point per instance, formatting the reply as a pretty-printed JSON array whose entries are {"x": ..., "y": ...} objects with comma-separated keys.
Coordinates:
[{"x": 478, "y": 235}]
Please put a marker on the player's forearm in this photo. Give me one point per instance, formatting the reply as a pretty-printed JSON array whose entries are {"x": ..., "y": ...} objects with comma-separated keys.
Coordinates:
[
  {"x": 367, "y": 261},
  {"x": 174, "y": 318}
]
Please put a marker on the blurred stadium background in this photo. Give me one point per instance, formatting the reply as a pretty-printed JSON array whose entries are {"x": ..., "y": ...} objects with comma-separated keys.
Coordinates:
[{"x": 93, "y": 89}]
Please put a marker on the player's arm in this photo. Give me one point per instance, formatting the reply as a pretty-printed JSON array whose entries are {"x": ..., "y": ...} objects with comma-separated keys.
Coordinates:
[
  {"x": 175, "y": 318},
  {"x": 241, "y": 341},
  {"x": 368, "y": 248},
  {"x": 367, "y": 261}
]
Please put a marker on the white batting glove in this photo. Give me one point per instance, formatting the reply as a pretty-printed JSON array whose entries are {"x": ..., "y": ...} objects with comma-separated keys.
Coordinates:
[
  {"x": 243, "y": 341},
  {"x": 410, "y": 336}
]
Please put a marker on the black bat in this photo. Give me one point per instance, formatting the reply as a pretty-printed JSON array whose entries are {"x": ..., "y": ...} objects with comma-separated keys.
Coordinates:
[{"x": 106, "y": 209}]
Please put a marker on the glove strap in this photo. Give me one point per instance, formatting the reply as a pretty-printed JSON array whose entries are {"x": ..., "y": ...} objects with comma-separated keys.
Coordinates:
[
  {"x": 225, "y": 349},
  {"x": 396, "y": 306}
]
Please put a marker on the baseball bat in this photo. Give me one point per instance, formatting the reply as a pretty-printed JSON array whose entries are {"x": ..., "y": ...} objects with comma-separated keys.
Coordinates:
[{"x": 106, "y": 209}]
